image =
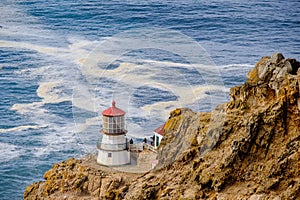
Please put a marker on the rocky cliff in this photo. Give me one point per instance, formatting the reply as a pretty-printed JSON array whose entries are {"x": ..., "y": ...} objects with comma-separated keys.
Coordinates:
[{"x": 248, "y": 148}]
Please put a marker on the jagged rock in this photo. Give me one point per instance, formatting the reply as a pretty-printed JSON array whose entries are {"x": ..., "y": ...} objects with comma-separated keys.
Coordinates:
[
  {"x": 276, "y": 57},
  {"x": 253, "y": 153},
  {"x": 248, "y": 148},
  {"x": 79, "y": 179}
]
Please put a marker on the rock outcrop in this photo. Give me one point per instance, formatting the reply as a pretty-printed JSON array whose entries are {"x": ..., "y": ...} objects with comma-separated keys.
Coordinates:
[
  {"x": 79, "y": 179},
  {"x": 248, "y": 148}
]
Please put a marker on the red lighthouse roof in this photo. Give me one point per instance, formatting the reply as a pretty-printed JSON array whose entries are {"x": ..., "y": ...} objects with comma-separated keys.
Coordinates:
[{"x": 113, "y": 111}]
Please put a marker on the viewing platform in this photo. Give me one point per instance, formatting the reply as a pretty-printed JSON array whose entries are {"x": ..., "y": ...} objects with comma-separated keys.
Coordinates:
[{"x": 142, "y": 156}]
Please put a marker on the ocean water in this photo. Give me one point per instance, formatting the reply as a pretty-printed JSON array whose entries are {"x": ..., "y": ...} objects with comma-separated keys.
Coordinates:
[{"x": 62, "y": 62}]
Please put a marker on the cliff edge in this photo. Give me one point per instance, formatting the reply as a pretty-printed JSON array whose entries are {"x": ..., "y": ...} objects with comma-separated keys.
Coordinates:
[{"x": 248, "y": 148}]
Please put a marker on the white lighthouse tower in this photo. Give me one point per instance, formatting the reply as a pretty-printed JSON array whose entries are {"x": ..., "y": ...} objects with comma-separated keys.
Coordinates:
[{"x": 113, "y": 149}]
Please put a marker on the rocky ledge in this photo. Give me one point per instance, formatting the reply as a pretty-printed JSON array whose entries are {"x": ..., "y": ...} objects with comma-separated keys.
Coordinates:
[{"x": 248, "y": 148}]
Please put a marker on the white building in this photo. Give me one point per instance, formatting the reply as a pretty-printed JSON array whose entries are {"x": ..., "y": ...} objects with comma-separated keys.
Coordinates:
[
  {"x": 158, "y": 135},
  {"x": 113, "y": 149}
]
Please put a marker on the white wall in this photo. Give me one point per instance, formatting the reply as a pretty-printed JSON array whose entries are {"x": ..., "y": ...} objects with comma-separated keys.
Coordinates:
[
  {"x": 117, "y": 157},
  {"x": 113, "y": 139},
  {"x": 111, "y": 142}
]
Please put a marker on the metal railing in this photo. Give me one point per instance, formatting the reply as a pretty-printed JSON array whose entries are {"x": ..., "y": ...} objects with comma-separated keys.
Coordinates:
[
  {"x": 112, "y": 147},
  {"x": 149, "y": 147},
  {"x": 141, "y": 147},
  {"x": 136, "y": 147},
  {"x": 125, "y": 146}
]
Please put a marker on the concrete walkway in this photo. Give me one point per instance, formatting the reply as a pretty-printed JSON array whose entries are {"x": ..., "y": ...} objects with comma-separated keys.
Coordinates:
[{"x": 140, "y": 162}]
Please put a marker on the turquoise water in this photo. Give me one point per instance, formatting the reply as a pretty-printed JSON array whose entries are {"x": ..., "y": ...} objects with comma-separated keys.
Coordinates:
[{"x": 50, "y": 102}]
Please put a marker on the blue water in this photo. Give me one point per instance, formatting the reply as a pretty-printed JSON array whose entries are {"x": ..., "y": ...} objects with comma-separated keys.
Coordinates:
[{"x": 51, "y": 100}]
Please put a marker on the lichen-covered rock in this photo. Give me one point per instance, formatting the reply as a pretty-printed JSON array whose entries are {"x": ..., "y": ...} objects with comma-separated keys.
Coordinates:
[
  {"x": 248, "y": 148},
  {"x": 251, "y": 152},
  {"x": 79, "y": 179}
]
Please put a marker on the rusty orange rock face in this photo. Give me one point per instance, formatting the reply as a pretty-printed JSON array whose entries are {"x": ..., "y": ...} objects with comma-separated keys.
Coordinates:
[{"x": 246, "y": 148}]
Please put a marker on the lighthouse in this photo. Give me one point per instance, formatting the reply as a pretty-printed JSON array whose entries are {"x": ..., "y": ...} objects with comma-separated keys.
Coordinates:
[{"x": 113, "y": 148}]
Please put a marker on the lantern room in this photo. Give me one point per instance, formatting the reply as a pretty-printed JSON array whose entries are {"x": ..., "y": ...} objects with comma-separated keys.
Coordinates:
[{"x": 113, "y": 120}]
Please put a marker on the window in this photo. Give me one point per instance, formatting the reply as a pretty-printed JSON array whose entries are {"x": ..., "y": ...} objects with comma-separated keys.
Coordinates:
[
  {"x": 109, "y": 155},
  {"x": 113, "y": 124}
]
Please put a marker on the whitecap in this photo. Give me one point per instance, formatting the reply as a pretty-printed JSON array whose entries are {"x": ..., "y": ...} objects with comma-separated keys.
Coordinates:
[
  {"x": 38, "y": 48},
  {"x": 50, "y": 93},
  {"x": 21, "y": 128},
  {"x": 33, "y": 107},
  {"x": 9, "y": 152}
]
